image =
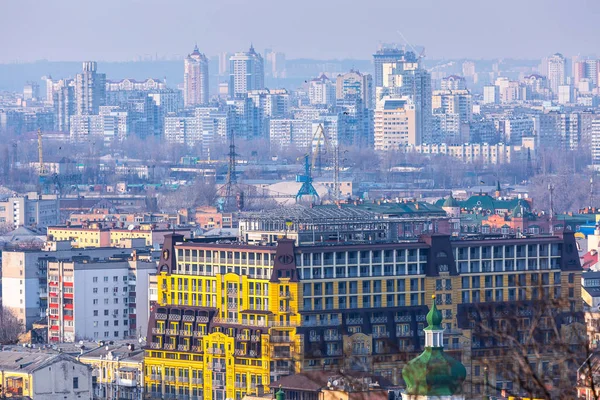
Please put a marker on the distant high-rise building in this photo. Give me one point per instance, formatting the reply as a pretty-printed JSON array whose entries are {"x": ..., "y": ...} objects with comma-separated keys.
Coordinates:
[
  {"x": 408, "y": 78},
  {"x": 90, "y": 89},
  {"x": 566, "y": 94},
  {"x": 468, "y": 68},
  {"x": 321, "y": 90},
  {"x": 491, "y": 94},
  {"x": 275, "y": 63},
  {"x": 353, "y": 84},
  {"x": 246, "y": 73},
  {"x": 224, "y": 63},
  {"x": 556, "y": 71},
  {"x": 587, "y": 69},
  {"x": 386, "y": 55},
  {"x": 31, "y": 91},
  {"x": 63, "y": 100},
  {"x": 596, "y": 143},
  {"x": 195, "y": 79},
  {"x": 396, "y": 124},
  {"x": 453, "y": 82}
]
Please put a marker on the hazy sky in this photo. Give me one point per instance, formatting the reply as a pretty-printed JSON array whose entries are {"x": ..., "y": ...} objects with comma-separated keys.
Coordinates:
[{"x": 110, "y": 30}]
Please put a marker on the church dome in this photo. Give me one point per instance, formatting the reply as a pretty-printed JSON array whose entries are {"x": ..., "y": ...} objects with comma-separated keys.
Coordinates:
[{"x": 434, "y": 373}]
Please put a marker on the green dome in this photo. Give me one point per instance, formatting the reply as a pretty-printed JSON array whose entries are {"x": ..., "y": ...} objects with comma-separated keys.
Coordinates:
[
  {"x": 450, "y": 202},
  {"x": 434, "y": 373},
  {"x": 521, "y": 209},
  {"x": 434, "y": 317}
]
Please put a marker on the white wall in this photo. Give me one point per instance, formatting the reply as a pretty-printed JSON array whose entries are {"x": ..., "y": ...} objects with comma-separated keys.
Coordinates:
[{"x": 56, "y": 381}]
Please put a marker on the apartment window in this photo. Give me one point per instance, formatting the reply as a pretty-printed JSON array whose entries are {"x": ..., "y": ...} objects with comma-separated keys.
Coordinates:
[
  {"x": 95, "y": 313},
  {"x": 95, "y": 301},
  {"x": 95, "y": 290},
  {"x": 115, "y": 279},
  {"x": 75, "y": 383},
  {"x": 116, "y": 333},
  {"x": 105, "y": 323},
  {"x": 116, "y": 301},
  {"x": 106, "y": 280},
  {"x": 95, "y": 279},
  {"x": 105, "y": 301},
  {"x": 116, "y": 322},
  {"x": 106, "y": 334},
  {"x": 105, "y": 290},
  {"x": 105, "y": 312},
  {"x": 95, "y": 323}
]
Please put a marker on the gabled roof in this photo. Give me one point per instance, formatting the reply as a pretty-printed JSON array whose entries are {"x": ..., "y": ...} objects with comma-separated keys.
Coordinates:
[{"x": 26, "y": 362}]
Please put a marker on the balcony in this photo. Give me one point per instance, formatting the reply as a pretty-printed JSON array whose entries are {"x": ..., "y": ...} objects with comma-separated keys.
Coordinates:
[
  {"x": 183, "y": 332},
  {"x": 232, "y": 306},
  {"x": 188, "y": 318},
  {"x": 197, "y": 349},
  {"x": 160, "y": 316},
  {"x": 285, "y": 309},
  {"x": 232, "y": 292},
  {"x": 253, "y": 353},
  {"x": 334, "y": 352},
  {"x": 254, "y": 338},
  {"x": 281, "y": 354},
  {"x": 172, "y": 332},
  {"x": 402, "y": 318},
  {"x": 127, "y": 382},
  {"x": 218, "y": 383},
  {"x": 405, "y": 333},
  {"x": 280, "y": 339},
  {"x": 199, "y": 334},
  {"x": 240, "y": 352},
  {"x": 362, "y": 351},
  {"x": 241, "y": 385},
  {"x": 174, "y": 317},
  {"x": 202, "y": 320},
  {"x": 215, "y": 351},
  {"x": 286, "y": 295},
  {"x": 282, "y": 370},
  {"x": 169, "y": 378},
  {"x": 154, "y": 345},
  {"x": 155, "y": 377},
  {"x": 183, "y": 347},
  {"x": 354, "y": 321},
  {"x": 197, "y": 381},
  {"x": 314, "y": 338},
  {"x": 183, "y": 379},
  {"x": 158, "y": 331},
  {"x": 333, "y": 336},
  {"x": 169, "y": 346},
  {"x": 218, "y": 366},
  {"x": 381, "y": 334},
  {"x": 242, "y": 337},
  {"x": 378, "y": 320}
]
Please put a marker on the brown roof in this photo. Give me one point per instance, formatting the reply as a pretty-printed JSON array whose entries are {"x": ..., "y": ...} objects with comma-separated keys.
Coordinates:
[{"x": 313, "y": 381}]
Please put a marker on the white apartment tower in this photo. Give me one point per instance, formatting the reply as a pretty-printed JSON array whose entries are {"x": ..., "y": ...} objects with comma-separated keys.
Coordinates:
[
  {"x": 246, "y": 73},
  {"x": 396, "y": 124},
  {"x": 98, "y": 300},
  {"x": 556, "y": 71},
  {"x": 195, "y": 79},
  {"x": 90, "y": 89}
]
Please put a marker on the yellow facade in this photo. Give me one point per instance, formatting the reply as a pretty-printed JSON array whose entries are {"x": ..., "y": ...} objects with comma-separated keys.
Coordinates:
[{"x": 255, "y": 327}]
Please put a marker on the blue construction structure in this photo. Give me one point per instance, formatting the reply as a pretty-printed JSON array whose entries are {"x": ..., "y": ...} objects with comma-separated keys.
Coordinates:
[{"x": 307, "y": 188}]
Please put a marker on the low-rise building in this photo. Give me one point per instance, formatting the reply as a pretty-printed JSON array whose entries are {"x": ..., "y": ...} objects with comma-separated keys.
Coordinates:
[
  {"x": 31, "y": 209},
  {"x": 47, "y": 376},
  {"x": 117, "y": 370}
]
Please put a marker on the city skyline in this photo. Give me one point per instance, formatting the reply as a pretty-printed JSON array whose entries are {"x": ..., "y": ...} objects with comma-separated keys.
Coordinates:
[{"x": 205, "y": 24}]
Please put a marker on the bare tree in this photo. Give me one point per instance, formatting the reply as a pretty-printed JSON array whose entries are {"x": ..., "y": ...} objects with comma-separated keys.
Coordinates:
[{"x": 10, "y": 327}]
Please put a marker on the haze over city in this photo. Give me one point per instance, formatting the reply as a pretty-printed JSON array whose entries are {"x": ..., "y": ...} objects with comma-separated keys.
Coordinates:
[
  {"x": 114, "y": 30},
  {"x": 301, "y": 200}
]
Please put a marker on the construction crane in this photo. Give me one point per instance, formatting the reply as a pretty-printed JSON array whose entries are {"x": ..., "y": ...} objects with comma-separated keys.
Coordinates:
[
  {"x": 307, "y": 188},
  {"x": 320, "y": 135}
]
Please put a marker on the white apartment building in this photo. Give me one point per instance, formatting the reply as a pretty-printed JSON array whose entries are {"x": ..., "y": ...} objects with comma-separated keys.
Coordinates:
[
  {"x": 566, "y": 94},
  {"x": 321, "y": 91},
  {"x": 30, "y": 210},
  {"x": 195, "y": 79},
  {"x": 182, "y": 130},
  {"x": 396, "y": 123},
  {"x": 491, "y": 94},
  {"x": 24, "y": 274},
  {"x": 289, "y": 132},
  {"x": 111, "y": 124},
  {"x": 132, "y": 84},
  {"x": 555, "y": 66},
  {"x": 487, "y": 154},
  {"x": 596, "y": 143},
  {"x": 246, "y": 73},
  {"x": 98, "y": 300}
]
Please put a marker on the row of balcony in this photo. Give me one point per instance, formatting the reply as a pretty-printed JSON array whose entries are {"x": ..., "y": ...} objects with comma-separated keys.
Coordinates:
[{"x": 177, "y": 317}]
